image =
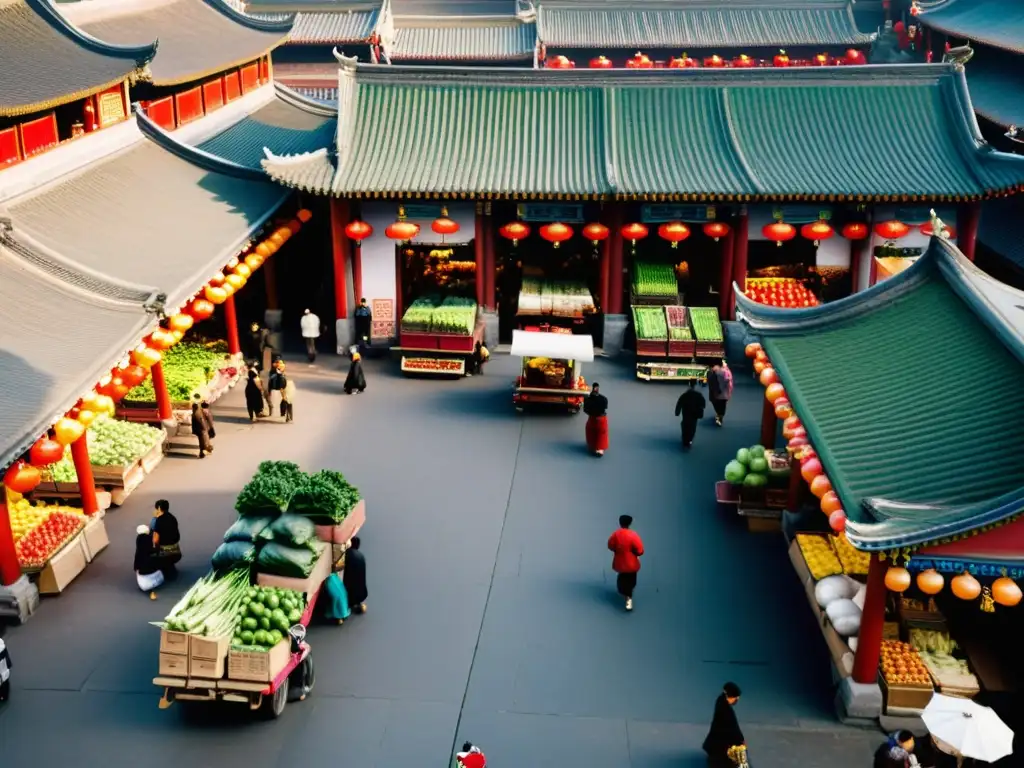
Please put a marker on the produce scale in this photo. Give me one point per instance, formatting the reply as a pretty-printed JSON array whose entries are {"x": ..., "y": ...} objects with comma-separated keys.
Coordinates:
[
  {"x": 437, "y": 337},
  {"x": 551, "y": 373}
]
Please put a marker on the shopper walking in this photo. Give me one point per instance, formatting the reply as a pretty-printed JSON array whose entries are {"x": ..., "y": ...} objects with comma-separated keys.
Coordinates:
[
  {"x": 355, "y": 381},
  {"x": 690, "y": 406},
  {"x": 201, "y": 429},
  {"x": 257, "y": 341},
  {"x": 337, "y": 608},
  {"x": 147, "y": 572},
  {"x": 5, "y": 671},
  {"x": 310, "y": 324},
  {"x": 166, "y": 539},
  {"x": 719, "y": 389},
  {"x": 596, "y": 408},
  {"x": 725, "y": 730},
  {"x": 254, "y": 396},
  {"x": 354, "y": 577},
  {"x": 897, "y": 751},
  {"x": 211, "y": 430},
  {"x": 628, "y": 548},
  {"x": 364, "y": 323},
  {"x": 288, "y": 401},
  {"x": 276, "y": 382}
]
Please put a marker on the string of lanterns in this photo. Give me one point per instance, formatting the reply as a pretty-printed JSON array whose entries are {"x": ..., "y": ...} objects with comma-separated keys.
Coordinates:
[
  {"x": 641, "y": 60},
  {"x": 1004, "y": 590}
]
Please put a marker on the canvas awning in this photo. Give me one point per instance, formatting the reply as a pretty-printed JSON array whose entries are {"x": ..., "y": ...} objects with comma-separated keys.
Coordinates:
[{"x": 558, "y": 346}]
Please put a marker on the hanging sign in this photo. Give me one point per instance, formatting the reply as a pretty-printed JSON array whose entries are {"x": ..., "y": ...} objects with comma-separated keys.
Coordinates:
[
  {"x": 801, "y": 214},
  {"x": 657, "y": 214},
  {"x": 567, "y": 213},
  {"x": 944, "y": 565},
  {"x": 382, "y": 326},
  {"x": 422, "y": 210}
]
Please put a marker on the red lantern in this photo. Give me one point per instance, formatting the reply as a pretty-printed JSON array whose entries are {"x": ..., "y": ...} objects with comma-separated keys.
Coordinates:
[
  {"x": 595, "y": 232},
  {"x": 774, "y": 391},
  {"x": 634, "y": 232},
  {"x": 217, "y": 279},
  {"x": 294, "y": 226},
  {"x": 402, "y": 230},
  {"x": 716, "y": 229},
  {"x": 556, "y": 233},
  {"x": 853, "y": 56},
  {"x": 200, "y": 309},
  {"x": 820, "y": 60},
  {"x": 444, "y": 226},
  {"x": 683, "y": 62},
  {"x": 781, "y": 59},
  {"x": 133, "y": 375},
  {"x": 358, "y": 230},
  {"x": 601, "y": 62},
  {"x": 817, "y": 231},
  {"x": 639, "y": 61},
  {"x": 891, "y": 230},
  {"x": 117, "y": 389},
  {"x": 855, "y": 230},
  {"x": 180, "y": 322},
  {"x": 45, "y": 452},
  {"x": 768, "y": 376},
  {"x": 837, "y": 521},
  {"x": 715, "y": 62},
  {"x": 779, "y": 231},
  {"x": 22, "y": 478},
  {"x": 304, "y": 215},
  {"x": 947, "y": 231},
  {"x": 674, "y": 231},
  {"x": 558, "y": 62},
  {"x": 160, "y": 339},
  {"x": 743, "y": 61},
  {"x": 515, "y": 231},
  {"x": 810, "y": 469},
  {"x": 752, "y": 349}
]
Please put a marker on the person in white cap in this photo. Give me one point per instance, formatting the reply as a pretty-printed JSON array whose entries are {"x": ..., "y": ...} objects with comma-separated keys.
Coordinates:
[
  {"x": 147, "y": 570},
  {"x": 310, "y": 333}
]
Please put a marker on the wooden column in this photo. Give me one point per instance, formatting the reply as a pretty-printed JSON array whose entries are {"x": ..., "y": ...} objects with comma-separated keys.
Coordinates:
[
  {"x": 163, "y": 399},
  {"x": 615, "y": 258},
  {"x": 872, "y": 619},
  {"x": 339, "y": 253},
  {"x": 231, "y": 324},
  {"x": 967, "y": 217},
  {"x": 478, "y": 253},
  {"x": 10, "y": 570},
  {"x": 739, "y": 257},
  {"x": 856, "y": 254},
  {"x": 270, "y": 281},
  {"x": 83, "y": 468},
  {"x": 490, "y": 265},
  {"x": 725, "y": 280},
  {"x": 769, "y": 424}
]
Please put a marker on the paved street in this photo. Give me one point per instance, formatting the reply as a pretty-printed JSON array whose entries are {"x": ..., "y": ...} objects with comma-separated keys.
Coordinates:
[{"x": 492, "y": 613}]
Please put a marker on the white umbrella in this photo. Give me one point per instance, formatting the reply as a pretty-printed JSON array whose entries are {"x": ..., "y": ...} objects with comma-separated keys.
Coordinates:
[{"x": 970, "y": 729}]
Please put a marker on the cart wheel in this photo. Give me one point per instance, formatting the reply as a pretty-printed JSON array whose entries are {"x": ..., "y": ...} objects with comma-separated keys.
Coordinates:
[
  {"x": 273, "y": 705},
  {"x": 303, "y": 680}
]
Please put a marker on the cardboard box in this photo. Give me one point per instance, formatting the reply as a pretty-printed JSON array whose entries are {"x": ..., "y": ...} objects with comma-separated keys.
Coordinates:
[
  {"x": 320, "y": 571},
  {"x": 174, "y": 642},
  {"x": 208, "y": 648},
  {"x": 94, "y": 537},
  {"x": 63, "y": 568},
  {"x": 259, "y": 666},
  {"x": 209, "y": 669},
  {"x": 173, "y": 664},
  {"x": 347, "y": 528},
  {"x": 904, "y": 697}
]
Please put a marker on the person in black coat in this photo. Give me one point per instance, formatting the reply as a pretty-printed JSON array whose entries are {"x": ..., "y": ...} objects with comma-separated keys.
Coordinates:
[
  {"x": 690, "y": 406},
  {"x": 354, "y": 577},
  {"x": 355, "y": 381},
  {"x": 254, "y": 395},
  {"x": 725, "y": 728}
]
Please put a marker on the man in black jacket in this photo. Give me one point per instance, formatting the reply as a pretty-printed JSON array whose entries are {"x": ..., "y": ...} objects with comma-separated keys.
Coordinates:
[
  {"x": 691, "y": 406},
  {"x": 725, "y": 728}
]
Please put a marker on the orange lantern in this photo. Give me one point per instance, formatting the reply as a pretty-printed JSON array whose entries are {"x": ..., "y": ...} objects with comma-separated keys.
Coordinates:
[
  {"x": 304, "y": 215},
  {"x": 768, "y": 376},
  {"x": 253, "y": 261},
  {"x": 830, "y": 503},
  {"x": 235, "y": 280},
  {"x": 232, "y": 264},
  {"x": 402, "y": 230},
  {"x": 716, "y": 229},
  {"x": 783, "y": 408},
  {"x": 820, "y": 60},
  {"x": 215, "y": 294},
  {"x": 743, "y": 61},
  {"x": 85, "y": 417},
  {"x": 22, "y": 478},
  {"x": 855, "y": 230},
  {"x": 556, "y": 233},
  {"x": 119, "y": 388},
  {"x": 294, "y": 226},
  {"x": 1006, "y": 592},
  {"x": 817, "y": 231},
  {"x": 66, "y": 430},
  {"x": 161, "y": 339},
  {"x": 444, "y": 226},
  {"x": 683, "y": 62},
  {"x": 820, "y": 486},
  {"x": 200, "y": 309},
  {"x": 752, "y": 349},
  {"x": 891, "y": 230},
  {"x": 558, "y": 62},
  {"x": 965, "y": 586},
  {"x": 715, "y": 62},
  {"x": 639, "y": 61},
  {"x": 674, "y": 231},
  {"x": 243, "y": 271},
  {"x": 601, "y": 62},
  {"x": 595, "y": 232},
  {"x": 145, "y": 357},
  {"x": 515, "y": 231},
  {"x": 104, "y": 404},
  {"x": 774, "y": 391},
  {"x": 897, "y": 579},
  {"x": 810, "y": 469},
  {"x": 759, "y": 365},
  {"x": 229, "y": 290},
  {"x": 930, "y": 582},
  {"x": 779, "y": 231},
  {"x": 217, "y": 279},
  {"x": 277, "y": 239},
  {"x": 262, "y": 250},
  {"x": 180, "y": 322},
  {"x": 634, "y": 232}
]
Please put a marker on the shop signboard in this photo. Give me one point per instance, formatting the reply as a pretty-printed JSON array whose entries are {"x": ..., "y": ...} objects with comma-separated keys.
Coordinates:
[
  {"x": 658, "y": 213},
  {"x": 383, "y": 323},
  {"x": 952, "y": 565},
  {"x": 416, "y": 211},
  {"x": 568, "y": 213}
]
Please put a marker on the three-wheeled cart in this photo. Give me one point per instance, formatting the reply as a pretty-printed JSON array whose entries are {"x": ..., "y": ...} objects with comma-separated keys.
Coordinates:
[{"x": 551, "y": 375}]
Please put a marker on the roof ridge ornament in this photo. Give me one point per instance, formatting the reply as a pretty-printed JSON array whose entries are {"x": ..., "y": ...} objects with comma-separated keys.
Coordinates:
[{"x": 938, "y": 228}]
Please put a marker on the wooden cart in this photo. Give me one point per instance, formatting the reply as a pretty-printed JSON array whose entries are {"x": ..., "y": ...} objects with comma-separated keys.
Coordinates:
[{"x": 551, "y": 372}]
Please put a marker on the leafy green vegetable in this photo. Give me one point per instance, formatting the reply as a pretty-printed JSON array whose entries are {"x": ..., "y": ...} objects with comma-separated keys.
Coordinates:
[
  {"x": 326, "y": 497},
  {"x": 270, "y": 490},
  {"x": 188, "y": 366}
]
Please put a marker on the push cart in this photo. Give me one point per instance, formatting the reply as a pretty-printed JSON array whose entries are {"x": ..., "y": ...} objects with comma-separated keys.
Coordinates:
[{"x": 551, "y": 372}]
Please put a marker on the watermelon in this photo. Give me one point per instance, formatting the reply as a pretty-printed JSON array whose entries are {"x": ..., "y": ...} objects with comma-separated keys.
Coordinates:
[
  {"x": 743, "y": 456},
  {"x": 754, "y": 480},
  {"x": 758, "y": 464},
  {"x": 757, "y": 450},
  {"x": 735, "y": 472}
]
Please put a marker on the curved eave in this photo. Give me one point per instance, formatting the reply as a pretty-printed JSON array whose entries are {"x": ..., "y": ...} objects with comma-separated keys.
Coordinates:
[
  {"x": 284, "y": 25},
  {"x": 139, "y": 54},
  {"x": 193, "y": 155},
  {"x": 952, "y": 31},
  {"x": 305, "y": 103},
  {"x": 311, "y": 172}
]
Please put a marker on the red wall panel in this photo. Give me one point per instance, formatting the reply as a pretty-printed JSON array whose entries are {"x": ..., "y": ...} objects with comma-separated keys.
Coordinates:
[
  {"x": 213, "y": 95},
  {"x": 38, "y": 135},
  {"x": 161, "y": 112},
  {"x": 188, "y": 105},
  {"x": 10, "y": 151},
  {"x": 232, "y": 86},
  {"x": 250, "y": 77}
]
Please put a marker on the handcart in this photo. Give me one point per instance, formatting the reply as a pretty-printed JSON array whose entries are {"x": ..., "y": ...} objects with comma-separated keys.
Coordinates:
[{"x": 551, "y": 370}]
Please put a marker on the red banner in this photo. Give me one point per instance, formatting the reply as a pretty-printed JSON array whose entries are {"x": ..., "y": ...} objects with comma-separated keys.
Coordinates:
[
  {"x": 38, "y": 135},
  {"x": 161, "y": 112},
  {"x": 213, "y": 94},
  {"x": 10, "y": 152},
  {"x": 188, "y": 105},
  {"x": 250, "y": 77},
  {"x": 232, "y": 86}
]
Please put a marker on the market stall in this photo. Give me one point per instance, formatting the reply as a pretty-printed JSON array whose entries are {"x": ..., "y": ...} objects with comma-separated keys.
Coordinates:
[
  {"x": 551, "y": 369},
  {"x": 544, "y": 304},
  {"x": 437, "y": 336}
]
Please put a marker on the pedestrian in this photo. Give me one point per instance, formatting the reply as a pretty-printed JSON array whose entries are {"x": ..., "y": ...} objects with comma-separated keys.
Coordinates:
[
  {"x": 477, "y": 360},
  {"x": 337, "y": 608},
  {"x": 354, "y": 577},
  {"x": 596, "y": 408},
  {"x": 690, "y": 406},
  {"x": 470, "y": 757},
  {"x": 201, "y": 429},
  {"x": 258, "y": 340},
  {"x": 5, "y": 671},
  {"x": 310, "y": 324},
  {"x": 254, "y": 396},
  {"x": 166, "y": 539},
  {"x": 288, "y": 400},
  {"x": 355, "y": 379},
  {"x": 628, "y": 548},
  {"x": 897, "y": 751},
  {"x": 208, "y": 418},
  {"x": 147, "y": 571},
  {"x": 719, "y": 389},
  {"x": 276, "y": 382},
  {"x": 364, "y": 323},
  {"x": 725, "y": 730}
]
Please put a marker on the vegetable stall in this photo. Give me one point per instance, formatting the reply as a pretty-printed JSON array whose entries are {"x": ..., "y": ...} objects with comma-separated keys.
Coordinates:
[
  {"x": 230, "y": 637},
  {"x": 551, "y": 369},
  {"x": 437, "y": 336}
]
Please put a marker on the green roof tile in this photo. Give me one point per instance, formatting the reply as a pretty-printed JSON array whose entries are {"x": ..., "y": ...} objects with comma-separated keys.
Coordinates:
[
  {"x": 996, "y": 82},
  {"x": 999, "y": 23}
]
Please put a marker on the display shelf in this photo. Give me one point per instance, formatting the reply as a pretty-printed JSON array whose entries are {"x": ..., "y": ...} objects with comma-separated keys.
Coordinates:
[
  {"x": 838, "y": 649},
  {"x": 670, "y": 371}
]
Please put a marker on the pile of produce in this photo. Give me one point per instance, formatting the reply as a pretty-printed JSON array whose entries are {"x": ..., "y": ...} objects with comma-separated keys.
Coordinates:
[
  {"x": 706, "y": 325},
  {"x": 854, "y": 562},
  {"x": 36, "y": 547},
  {"x": 655, "y": 281},
  {"x": 431, "y": 315},
  {"x": 821, "y": 560},
  {"x": 780, "y": 292},
  {"x": 554, "y": 297},
  {"x": 188, "y": 367},
  {"x": 902, "y": 665},
  {"x": 749, "y": 468},
  {"x": 265, "y": 616},
  {"x": 650, "y": 323},
  {"x": 325, "y": 497},
  {"x": 936, "y": 649},
  {"x": 26, "y": 516},
  {"x": 270, "y": 489},
  {"x": 212, "y": 606},
  {"x": 112, "y": 443},
  {"x": 678, "y": 325},
  {"x": 838, "y": 596}
]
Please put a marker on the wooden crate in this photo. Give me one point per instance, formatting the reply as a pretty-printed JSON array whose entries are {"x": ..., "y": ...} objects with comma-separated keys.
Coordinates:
[
  {"x": 904, "y": 697},
  {"x": 347, "y": 528},
  {"x": 174, "y": 664},
  {"x": 208, "y": 669},
  {"x": 652, "y": 348},
  {"x": 175, "y": 642},
  {"x": 259, "y": 666},
  {"x": 682, "y": 348},
  {"x": 94, "y": 537},
  {"x": 710, "y": 349},
  {"x": 796, "y": 557},
  {"x": 63, "y": 567}
]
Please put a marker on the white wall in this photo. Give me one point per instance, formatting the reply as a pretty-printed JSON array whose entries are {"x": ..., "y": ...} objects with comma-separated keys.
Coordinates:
[{"x": 834, "y": 252}]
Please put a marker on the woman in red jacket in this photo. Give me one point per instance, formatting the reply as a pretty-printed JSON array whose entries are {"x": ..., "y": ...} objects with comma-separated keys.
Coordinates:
[{"x": 628, "y": 548}]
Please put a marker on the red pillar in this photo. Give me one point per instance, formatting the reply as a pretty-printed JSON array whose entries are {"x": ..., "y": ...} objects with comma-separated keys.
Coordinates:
[
  {"x": 80, "y": 456},
  {"x": 10, "y": 571},
  {"x": 163, "y": 398},
  {"x": 769, "y": 424},
  {"x": 967, "y": 227},
  {"x": 339, "y": 251},
  {"x": 357, "y": 270},
  {"x": 399, "y": 296},
  {"x": 872, "y": 619},
  {"x": 856, "y": 254},
  {"x": 490, "y": 265},
  {"x": 478, "y": 253},
  {"x": 725, "y": 281},
  {"x": 615, "y": 248},
  {"x": 231, "y": 323},
  {"x": 739, "y": 257}
]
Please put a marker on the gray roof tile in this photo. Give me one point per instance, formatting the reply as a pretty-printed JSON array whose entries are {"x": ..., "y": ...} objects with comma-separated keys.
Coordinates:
[
  {"x": 44, "y": 62},
  {"x": 451, "y": 8},
  {"x": 464, "y": 42},
  {"x": 332, "y": 27}
]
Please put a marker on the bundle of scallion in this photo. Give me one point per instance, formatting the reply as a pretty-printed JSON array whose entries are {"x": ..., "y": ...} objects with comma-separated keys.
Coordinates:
[{"x": 210, "y": 607}]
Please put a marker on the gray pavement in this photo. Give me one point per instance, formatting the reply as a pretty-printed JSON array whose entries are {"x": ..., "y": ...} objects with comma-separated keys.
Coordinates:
[{"x": 492, "y": 613}]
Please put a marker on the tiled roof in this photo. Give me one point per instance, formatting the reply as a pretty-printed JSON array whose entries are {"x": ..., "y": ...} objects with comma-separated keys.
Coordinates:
[
  {"x": 705, "y": 134},
  {"x": 704, "y": 25},
  {"x": 197, "y": 38},
  {"x": 999, "y": 23},
  {"x": 904, "y": 477},
  {"x": 453, "y": 7},
  {"x": 332, "y": 27},
  {"x": 996, "y": 83},
  {"x": 45, "y": 62},
  {"x": 498, "y": 41},
  {"x": 999, "y": 228}
]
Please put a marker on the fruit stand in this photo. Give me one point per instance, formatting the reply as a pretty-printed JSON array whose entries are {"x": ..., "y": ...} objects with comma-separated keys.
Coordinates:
[
  {"x": 437, "y": 337},
  {"x": 756, "y": 485},
  {"x": 551, "y": 373},
  {"x": 785, "y": 292},
  {"x": 665, "y": 344}
]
